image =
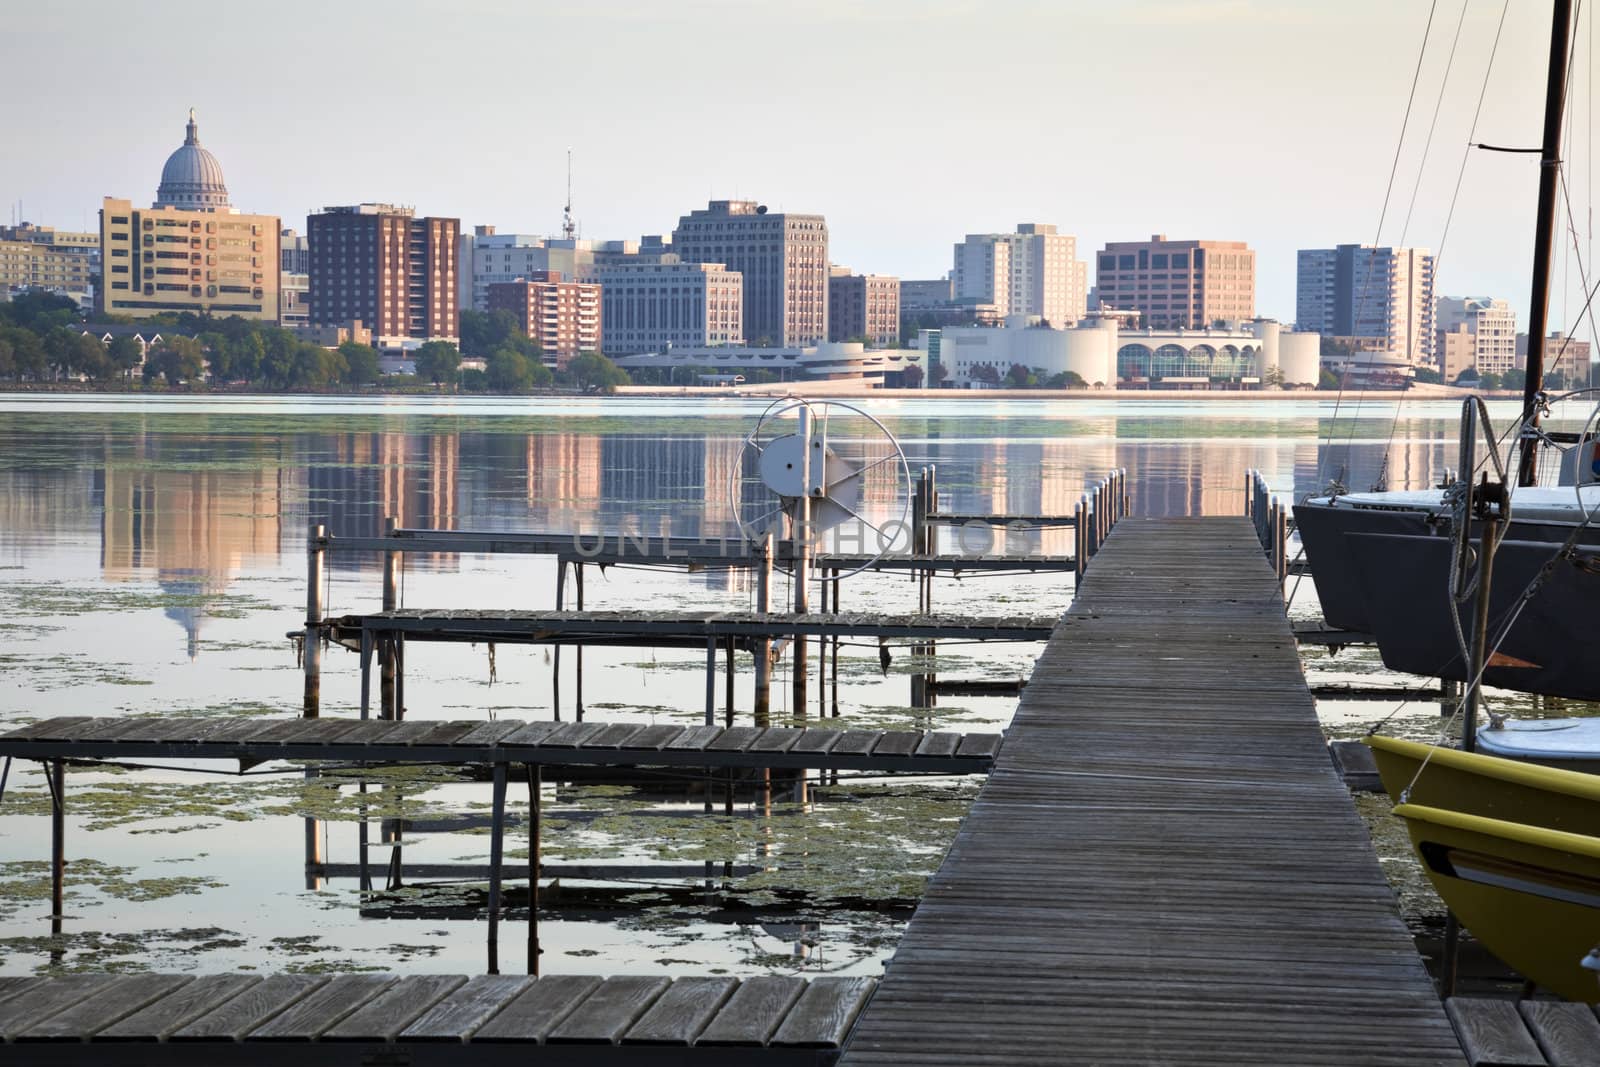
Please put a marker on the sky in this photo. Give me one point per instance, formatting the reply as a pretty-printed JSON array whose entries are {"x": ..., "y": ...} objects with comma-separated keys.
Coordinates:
[{"x": 907, "y": 123}]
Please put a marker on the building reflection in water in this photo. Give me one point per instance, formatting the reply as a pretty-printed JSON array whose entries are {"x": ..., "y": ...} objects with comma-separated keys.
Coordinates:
[{"x": 191, "y": 530}]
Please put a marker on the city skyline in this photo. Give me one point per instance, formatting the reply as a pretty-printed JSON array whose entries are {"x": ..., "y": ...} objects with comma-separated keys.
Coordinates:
[{"x": 1216, "y": 133}]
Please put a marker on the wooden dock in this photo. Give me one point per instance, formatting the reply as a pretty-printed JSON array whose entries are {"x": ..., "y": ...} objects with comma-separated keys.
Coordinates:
[
  {"x": 512, "y": 741},
  {"x": 656, "y": 628},
  {"x": 1163, "y": 866},
  {"x": 360, "y": 1019}
]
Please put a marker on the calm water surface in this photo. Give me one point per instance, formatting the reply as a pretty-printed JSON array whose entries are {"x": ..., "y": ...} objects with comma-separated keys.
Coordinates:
[{"x": 152, "y": 560}]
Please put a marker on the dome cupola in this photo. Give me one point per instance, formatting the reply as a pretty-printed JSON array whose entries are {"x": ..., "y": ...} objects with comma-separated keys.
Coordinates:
[{"x": 192, "y": 178}]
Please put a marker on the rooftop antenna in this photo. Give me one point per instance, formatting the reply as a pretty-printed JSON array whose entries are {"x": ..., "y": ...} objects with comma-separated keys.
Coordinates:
[{"x": 569, "y": 229}]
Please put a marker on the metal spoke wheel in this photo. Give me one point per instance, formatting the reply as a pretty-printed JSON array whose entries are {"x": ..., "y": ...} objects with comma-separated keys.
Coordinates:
[{"x": 829, "y": 469}]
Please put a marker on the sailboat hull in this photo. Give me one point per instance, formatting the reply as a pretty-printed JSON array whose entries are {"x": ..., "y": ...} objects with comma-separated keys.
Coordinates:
[
  {"x": 1323, "y": 528},
  {"x": 1405, "y": 584},
  {"x": 1488, "y": 786},
  {"x": 1530, "y": 894}
]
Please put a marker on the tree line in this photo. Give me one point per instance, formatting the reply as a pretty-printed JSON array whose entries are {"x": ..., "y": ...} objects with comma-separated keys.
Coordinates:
[{"x": 43, "y": 338}]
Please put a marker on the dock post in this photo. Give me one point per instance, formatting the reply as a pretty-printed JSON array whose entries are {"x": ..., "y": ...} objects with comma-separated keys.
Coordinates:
[
  {"x": 535, "y": 786},
  {"x": 577, "y": 684},
  {"x": 1280, "y": 538},
  {"x": 57, "y": 770},
  {"x": 497, "y": 830},
  {"x": 555, "y": 667},
  {"x": 388, "y": 706},
  {"x": 763, "y": 645},
  {"x": 316, "y": 559},
  {"x": 1079, "y": 555},
  {"x": 1248, "y": 482},
  {"x": 711, "y": 681},
  {"x": 800, "y": 536},
  {"x": 728, "y": 689}
]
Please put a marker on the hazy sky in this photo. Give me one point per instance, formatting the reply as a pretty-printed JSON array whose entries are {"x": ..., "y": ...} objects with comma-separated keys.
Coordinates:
[{"x": 906, "y": 123}]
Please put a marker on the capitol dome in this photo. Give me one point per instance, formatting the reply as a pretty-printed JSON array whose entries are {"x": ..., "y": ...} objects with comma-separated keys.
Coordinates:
[{"x": 192, "y": 178}]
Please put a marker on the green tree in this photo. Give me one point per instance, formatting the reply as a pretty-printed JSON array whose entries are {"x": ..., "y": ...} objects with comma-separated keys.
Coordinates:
[
  {"x": 28, "y": 359},
  {"x": 438, "y": 362},
  {"x": 593, "y": 373},
  {"x": 125, "y": 354},
  {"x": 484, "y": 333},
  {"x": 911, "y": 377},
  {"x": 539, "y": 375},
  {"x": 508, "y": 371},
  {"x": 939, "y": 373},
  {"x": 1066, "y": 379},
  {"x": 1326, "y": 379},
  {"x": 361, "y": 363},
  {"x": 177, "y": 359},
  {"x": 1018, "y": 377},
  {"x": 1272, "y": 378},
  {"x": 1428, "y": 376},
  {"x": 40, "y": 312},
  {"x": 985, "y": 374},
  {"x": 1487, "y": 382},
  {"x": 1516, "y": 378},
  {"x": 315, "y": 367}
]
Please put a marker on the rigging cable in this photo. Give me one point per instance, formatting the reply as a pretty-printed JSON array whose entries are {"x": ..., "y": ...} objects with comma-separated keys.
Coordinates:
[
  {"x": 1382, "y": 215},
  {"x": 1416, "y": 187}
]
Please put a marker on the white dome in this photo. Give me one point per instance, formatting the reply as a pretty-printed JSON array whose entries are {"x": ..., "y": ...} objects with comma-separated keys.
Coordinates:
[{"x": 192, "y": 179}]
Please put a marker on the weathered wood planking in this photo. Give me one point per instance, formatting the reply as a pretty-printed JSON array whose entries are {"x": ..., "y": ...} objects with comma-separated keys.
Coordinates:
[
  {"x": 573, "y": 743},
  {"x": 1163, "y": 866},
  {"x": 366, "y": 1018},
  {"x": 1493, "y": 1034}
]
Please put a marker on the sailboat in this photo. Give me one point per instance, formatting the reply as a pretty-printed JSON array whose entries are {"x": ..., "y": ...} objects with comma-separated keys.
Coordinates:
[
  {"x": 1382, "y": 561},
  {"x": 1507, "y": 845},
  {"x": 1510, "y": 846}
]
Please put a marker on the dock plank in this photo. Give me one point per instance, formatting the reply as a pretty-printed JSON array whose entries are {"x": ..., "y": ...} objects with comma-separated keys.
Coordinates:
[
  {"x": 1567, "y": 1034},
  {"x": 755, "y": 1011},
  {"x": 157, "y": 1021},
  {"x": 38, "y": 1003},
  {"x": 253, "y": 1006},
  {"x": 1493, "y": 1034},
  {"x": 609, "y": 1012},
  {"x": 307, "y": 1019},
  {"x": 459, "y": 1015},
  {"x": 125, "y": 995},
  {"x": 392, "y": 1010},
  {"x": 537, "y": 1009},
  {"x": 681, "y": 1013},
  {"x": 824, "y": 1013}
]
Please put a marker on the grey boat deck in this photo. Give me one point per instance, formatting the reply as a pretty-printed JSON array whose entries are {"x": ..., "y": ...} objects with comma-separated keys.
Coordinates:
[
  {"x": 426, "y": 1019},
  {"x": 1163, "y": 866},
  {"x": 611, "y": 744}
]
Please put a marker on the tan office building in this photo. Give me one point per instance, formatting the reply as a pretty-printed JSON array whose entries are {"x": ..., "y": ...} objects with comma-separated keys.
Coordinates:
[
  {"x": 782, "y": 259},
  {"x": 38, "y": 257},
  {"x": 563, "y": 318},
  {"x": 159, "y": 260},
  {"x": 190, "y": 251},
  {"x": 1188, "y": 284}
]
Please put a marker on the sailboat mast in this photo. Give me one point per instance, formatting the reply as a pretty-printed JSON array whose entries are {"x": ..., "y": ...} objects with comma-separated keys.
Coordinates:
[{"x": 1544, "y": 239}]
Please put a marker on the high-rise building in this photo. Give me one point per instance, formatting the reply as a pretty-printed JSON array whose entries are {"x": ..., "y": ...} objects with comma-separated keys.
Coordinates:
[
  {"x": 1179, "y": 284},
  {"x": 383, "y": 265},
  {"x": 165, "y": 260},
  {"x": 783, "y": 259},
  {"x": 39, "y": 257},
  {"x": 1359, "y": 293},
  {"x": 926, "y": 293},
  {"x": 493, "y": 258},
  {"x": 1491, "y": 326},
  {"x": 1563, "y": 355},
  {"x": 191, "y": 250},
  {"x": 651, "y": 306},
  {"x": 294, "y": 252},
  {"x": 1034, "y": 271},
  {"x": 863, "y": 305},
  {"x": 563, "y": 318}
]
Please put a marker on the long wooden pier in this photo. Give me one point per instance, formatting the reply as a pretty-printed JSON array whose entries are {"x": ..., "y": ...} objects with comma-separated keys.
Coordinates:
[{"x": 1163, "y": 866}]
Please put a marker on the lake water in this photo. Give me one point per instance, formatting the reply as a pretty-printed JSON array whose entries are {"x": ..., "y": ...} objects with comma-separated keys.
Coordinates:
[{"x": 152, "y": 561}]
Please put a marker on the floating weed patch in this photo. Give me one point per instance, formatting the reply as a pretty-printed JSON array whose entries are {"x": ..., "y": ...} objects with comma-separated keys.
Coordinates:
[{"x": 25, "y": 884}]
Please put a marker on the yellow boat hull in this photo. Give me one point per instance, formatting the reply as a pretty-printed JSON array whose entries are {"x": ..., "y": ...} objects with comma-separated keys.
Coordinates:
[
  {"x": 1490, "y": 786},
  {"x": 1530, "y": 894}
]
